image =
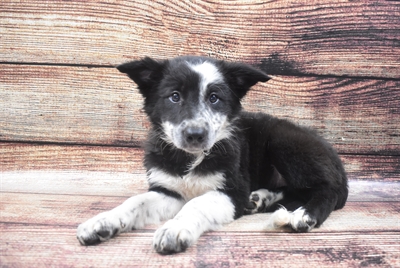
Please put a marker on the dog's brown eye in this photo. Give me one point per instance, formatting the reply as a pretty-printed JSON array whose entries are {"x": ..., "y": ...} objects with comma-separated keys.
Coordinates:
[
  {"x": 214, "y": 98},
  {"x": 175, "y": 97}
]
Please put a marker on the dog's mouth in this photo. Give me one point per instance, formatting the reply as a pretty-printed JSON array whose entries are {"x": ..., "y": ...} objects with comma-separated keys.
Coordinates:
[{"x": 200, "y": 149}]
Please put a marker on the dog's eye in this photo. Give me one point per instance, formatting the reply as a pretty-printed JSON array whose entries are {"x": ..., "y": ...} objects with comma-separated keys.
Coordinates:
[
  {"x": 175, "y": 97},
  {"x": 214, "y": 98}
]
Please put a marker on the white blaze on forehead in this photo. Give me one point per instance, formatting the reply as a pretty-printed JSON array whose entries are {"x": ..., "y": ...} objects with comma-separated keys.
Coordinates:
[{"x": 208, "y": 72}]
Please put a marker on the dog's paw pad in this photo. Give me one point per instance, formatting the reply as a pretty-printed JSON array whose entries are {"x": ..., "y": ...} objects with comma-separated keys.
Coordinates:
[
  {"x": 172, "y": 238},
  {"x": 260, "y": 200},
  {"x": 100, "y": 228}
]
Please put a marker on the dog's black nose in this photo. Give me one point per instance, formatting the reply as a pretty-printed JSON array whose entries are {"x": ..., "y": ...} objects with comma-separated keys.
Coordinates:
[{"x": 195, "y": 135}]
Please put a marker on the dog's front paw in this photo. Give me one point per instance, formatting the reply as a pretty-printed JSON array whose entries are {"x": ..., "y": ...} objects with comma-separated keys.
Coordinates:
[
  {"x": 100, "y": 228},
  {"x": 261, "y": 200},
  {"x": 172, "y": 238}
]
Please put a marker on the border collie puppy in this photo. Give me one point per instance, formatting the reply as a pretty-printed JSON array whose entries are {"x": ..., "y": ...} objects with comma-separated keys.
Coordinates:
[{"x": 209, "y": 163}]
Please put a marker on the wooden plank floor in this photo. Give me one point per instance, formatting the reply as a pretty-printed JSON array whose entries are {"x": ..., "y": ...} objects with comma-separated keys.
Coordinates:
[{"x": 43, "y": 201}]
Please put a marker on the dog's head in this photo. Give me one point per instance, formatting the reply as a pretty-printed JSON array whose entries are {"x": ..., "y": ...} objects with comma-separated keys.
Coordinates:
[{"x": 192, "y": 100}]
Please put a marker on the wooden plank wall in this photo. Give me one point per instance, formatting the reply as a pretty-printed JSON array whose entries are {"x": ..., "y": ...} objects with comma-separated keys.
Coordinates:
[
  {"x": 335, "y": 66},
  {"x": 71, "y": 125}
]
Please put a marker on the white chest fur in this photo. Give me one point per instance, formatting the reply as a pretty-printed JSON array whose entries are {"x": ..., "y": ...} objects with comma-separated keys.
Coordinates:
[{"x": 190, "y": 186}]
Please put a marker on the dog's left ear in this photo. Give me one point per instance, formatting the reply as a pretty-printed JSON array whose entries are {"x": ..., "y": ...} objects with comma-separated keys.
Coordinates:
[
  {"x": 146, "y": 73},
  {"x": 242, "y": 77}
]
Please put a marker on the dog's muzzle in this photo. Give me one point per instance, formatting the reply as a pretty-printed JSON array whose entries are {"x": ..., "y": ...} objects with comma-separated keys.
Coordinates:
[{"x": 195, "y": 137}]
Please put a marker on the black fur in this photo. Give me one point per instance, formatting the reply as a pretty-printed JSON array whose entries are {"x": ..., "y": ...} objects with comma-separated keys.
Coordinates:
[{"x": 263, "y": 152}]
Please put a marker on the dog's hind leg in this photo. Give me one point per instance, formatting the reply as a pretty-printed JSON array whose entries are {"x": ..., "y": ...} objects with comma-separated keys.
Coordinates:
[
  {"x": 306, "y": 217},
  {"x": 263, "y": 200}
]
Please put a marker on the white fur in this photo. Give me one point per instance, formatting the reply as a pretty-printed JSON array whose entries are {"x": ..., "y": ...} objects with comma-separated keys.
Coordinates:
[
  {"x": 204, "y": 213},
  {"x": 217, "y": 125},
  {"x": 264, "y": 196},
  {"x": 134, "y": 213},
  {"x": 282, "y": 218},
  {"x": 189, "y": 186},
  {"x": 208, "y": 72}
]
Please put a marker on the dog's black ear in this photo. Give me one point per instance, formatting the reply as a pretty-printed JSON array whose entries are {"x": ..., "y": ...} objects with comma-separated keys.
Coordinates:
[
  {"x": 242, "y": 77},
  {"x": 146, "y": 73}
]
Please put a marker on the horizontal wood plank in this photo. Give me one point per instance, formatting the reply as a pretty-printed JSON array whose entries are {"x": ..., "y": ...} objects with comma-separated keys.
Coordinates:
[
  {"x": 366, "y": 167},
  {"x": 48, "y": 246},
  {"x": 76, "y": 179},
  {"x": 71, "y": 210},
  {"x": 39, "y": 216},
  {"x": 43, "y": 157},
  {"x": 351, "y": 38},
  {"x": 30, "y": 159},
  {"x": 101, "y": 106}
]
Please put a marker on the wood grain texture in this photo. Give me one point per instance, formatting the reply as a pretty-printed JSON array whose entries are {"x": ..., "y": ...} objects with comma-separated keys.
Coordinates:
[
  {"x": 361, "y": 233},
  {"x": 367, "y": 167},
  {"x": 71, "y": 210},
  {"x": 20, "y": 158},
  {"x": 350, "y": 38},
  {"x": 39, "y": 157},
  {"x": 47, "y": 246},
  {"x": 101, "y": 106},
  {"x": 57, "y": 86}
]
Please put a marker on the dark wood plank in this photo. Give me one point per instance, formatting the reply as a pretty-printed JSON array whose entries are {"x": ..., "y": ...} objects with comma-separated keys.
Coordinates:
[
  {"x": 43, "y": 157},
  {"x": 101, "y": 106},
  {"x": 369, "y": 167},
  {"x": 356, "y": 116},
  {"x": 48, "y": 246},
  {"x": 60, "y": 160},
  {"x": 356, "y": 38}
]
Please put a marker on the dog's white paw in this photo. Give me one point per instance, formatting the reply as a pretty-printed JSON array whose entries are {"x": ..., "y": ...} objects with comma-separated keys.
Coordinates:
[
  {"x": 261, "y": 199},
  {"x": 173, "y": 237},
  {"x": 100, "y": 228},
  {"x": 299, "y": 220}
]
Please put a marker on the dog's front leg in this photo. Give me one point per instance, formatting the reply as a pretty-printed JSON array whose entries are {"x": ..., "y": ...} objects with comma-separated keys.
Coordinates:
[
  {"x": 204, "y": 213},
  {"x": 134, "y": 213}
]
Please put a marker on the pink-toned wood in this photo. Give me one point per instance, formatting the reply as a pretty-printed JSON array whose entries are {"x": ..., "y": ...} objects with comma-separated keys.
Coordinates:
[
  {"x": 24, "y": 157},
  {"x": 47, "y": 190},
  {"x": 42, "y": 157},
  {"x": 71, "y": 210},
  {"x": 357, "y": 38},
  {"x": 49, "y": 246},
  {"x": 101, "y": 106},
  {"x": 42, "y": 204}
]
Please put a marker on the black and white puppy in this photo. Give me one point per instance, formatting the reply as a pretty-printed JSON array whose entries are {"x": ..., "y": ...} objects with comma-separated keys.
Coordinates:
[{"x": 209, "y": 163}]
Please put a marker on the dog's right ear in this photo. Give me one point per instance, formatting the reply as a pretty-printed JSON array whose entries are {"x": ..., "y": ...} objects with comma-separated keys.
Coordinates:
[{"x": 146, "y": 73}]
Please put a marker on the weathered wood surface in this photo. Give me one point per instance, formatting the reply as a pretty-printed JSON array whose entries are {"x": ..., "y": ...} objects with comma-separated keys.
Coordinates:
[
  {"x": 47, "y": 246},
  {"x": 336, "y": 67},
  {"x": 72, "y": 205},
  {"x": 38, "y": 225},
  {"x": 47, "y": 190},
  {"x": 40, "y": 157},
  {"x": 350, "y": 38},
  {"x": 101, "y": 106}
]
